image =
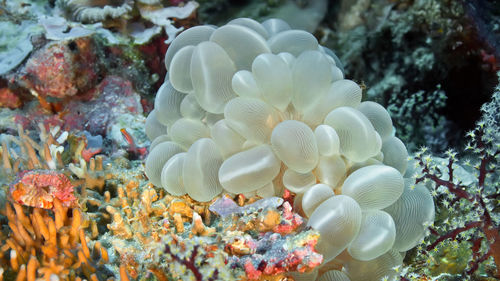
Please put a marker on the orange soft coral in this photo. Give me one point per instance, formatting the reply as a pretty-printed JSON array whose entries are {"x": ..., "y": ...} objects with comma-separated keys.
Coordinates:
[{"x": 40, "y": 244}]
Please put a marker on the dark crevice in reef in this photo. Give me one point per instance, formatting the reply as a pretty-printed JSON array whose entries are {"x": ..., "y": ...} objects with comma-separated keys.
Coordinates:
[
  {"x": 434, "y": 65},
  {"x": 467, "y": 88}
]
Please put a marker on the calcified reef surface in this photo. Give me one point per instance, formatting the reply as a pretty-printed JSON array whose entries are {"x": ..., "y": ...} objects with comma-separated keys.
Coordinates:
[{"x": 255, "y": 157}]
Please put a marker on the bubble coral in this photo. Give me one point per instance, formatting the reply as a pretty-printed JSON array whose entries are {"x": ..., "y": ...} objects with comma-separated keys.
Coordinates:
[{"x": 256, "y": 108}]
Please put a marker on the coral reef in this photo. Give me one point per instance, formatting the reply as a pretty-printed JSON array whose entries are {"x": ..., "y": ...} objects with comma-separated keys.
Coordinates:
[
  {"x": 260, "y": 126},
  {"x": 15, "y": 43},
  {"x": 69, "y": 58},
  {"x": 109, "y": 107},
  {"x": 24, "y": 153},
  {"x": 275, "y": 112},
  {"x": 9, "y": 99},
  {"x": 48, "y": 231},
  {"x": 263, "y": 240},
  {"x": 92, "y": 11},
  {"x": 115, "y": 104}
]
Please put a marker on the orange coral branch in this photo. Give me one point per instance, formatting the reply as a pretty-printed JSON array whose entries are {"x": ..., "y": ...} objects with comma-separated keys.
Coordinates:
[
  {"x": 75, "y": 226},
  {"x": 83, "y": 242},
  {"x": 46, "y": 250},
  {"x": 21, "y": 276},
  {"x": 23, "y": 218},
  {"x": 5, "y": 157},
  {"x": 18, "y": 238},
  {"x": 102, "y": 252},
  {"x": 24, "y": 234},
  {"x": 13, "y": 260},
  {"x": 31, "y": 270},
  {"x": 123, "y": 274},
  {"x": 44, "y": 230},
  {"x": 59, "y": 214},
  {"x": 9, "y": 213},
  {"x": 33, "y": 158}
]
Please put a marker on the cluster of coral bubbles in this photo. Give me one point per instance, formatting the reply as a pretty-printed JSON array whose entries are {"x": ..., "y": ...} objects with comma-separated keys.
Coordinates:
[{"x": 251, "y": 108}]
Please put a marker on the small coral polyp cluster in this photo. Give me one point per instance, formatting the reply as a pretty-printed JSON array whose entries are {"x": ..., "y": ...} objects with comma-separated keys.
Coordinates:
[{"x": 251, "y": 108}]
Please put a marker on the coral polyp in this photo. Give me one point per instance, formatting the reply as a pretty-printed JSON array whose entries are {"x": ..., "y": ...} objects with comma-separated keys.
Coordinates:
[{"x": 254, "y": 109}]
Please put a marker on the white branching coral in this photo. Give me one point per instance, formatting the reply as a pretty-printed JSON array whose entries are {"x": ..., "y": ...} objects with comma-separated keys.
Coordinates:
[{"x": 255, "y": 108}]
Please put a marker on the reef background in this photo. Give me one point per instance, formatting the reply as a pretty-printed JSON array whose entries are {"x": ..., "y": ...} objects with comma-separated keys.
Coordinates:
[{"x": 76, "y": 83}]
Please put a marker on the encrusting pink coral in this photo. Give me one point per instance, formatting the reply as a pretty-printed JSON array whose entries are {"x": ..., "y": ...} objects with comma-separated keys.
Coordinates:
[{"x": 39, "y": 188}]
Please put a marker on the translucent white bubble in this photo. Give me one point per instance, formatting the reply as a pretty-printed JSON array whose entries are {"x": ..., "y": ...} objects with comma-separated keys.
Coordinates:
[
  {"x": 358, "y": 140},
  {"x": 314, "y": 196},
  {"x": 298, "y": 182},
  {"x": 327, "y": 139},
  {"x": 395, "y": 154},
  {"x": 412, "y": 214},
  {"x": 241, "y": 43},
  {"x": 294, "y": 143},
  {"x": 211, "y": 72},
  {"x": 192, "y": 36},
  {"x": 171, "y": 175},
  {"x": 200, "y": 170},
  {"x": 249, "y": 170},
  {"x": 374, "y": 187},
  {"x": 376, "y": 269},
  {"x": 376, "y": 236},
  {"x": 252, "y": 118},
  {"x": 157, "y": 159},
  {"x": 274, "y": 79},
  {"x": 338, "y": 220}
]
